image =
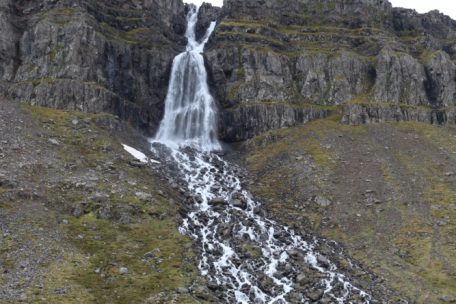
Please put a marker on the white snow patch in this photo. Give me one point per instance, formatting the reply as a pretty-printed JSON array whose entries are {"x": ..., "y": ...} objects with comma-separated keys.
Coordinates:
[{"x": 139, "y": 155}]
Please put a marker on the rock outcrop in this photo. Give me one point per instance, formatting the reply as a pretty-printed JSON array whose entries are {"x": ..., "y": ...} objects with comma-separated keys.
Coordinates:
[
  {"x": 400, "y": 79},
  {"x": 248, "y": 121},
  {"x": 441, "y": 72},
  {"x": 94, "y": 56},
  {"x": 381, "y": 63},
  {"x": 357, "y": 114},
  {"x": 268, "y": 61},
  {"x": 207, "y": 13},
  {"x": 8, "y": 41}
]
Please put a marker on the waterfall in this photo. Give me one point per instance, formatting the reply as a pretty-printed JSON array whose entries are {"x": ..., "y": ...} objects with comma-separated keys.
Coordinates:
[
  {"x": 223, "y": 218},
  {"x": 190, "y": 113}
]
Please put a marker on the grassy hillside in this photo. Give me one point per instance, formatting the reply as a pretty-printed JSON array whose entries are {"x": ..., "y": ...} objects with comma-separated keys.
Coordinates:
[
  {"x": 386, "y": 192},
  {"x": 79, "y": 223}
]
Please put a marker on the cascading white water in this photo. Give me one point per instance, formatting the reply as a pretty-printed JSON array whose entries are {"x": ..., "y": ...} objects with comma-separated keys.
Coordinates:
[
  {"x": 224, "y": 217},
  {"x": 190, "y": 112}
]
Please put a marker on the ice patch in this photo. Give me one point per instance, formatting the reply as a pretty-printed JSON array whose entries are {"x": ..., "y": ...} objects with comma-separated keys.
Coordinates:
[{"x": 139, "y": 155}]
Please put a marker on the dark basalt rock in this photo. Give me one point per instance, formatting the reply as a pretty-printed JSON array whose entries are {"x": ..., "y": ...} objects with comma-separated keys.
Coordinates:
[
  {"x": 247, "y": 121},
  {"x": 111, "y": 56},
  {"x": 207, "y": 13},
  {"x": 359, "y": 54},
  {"x": 372, "y": 113},
  {"x": 267, "y": 60}
]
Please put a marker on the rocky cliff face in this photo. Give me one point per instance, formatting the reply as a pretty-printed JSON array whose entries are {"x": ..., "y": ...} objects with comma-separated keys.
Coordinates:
[
  {"x": 8, "y": 43},
  {"x": 92, "y": 56},
  {"x": 358, "y": 54},
  {"x": 272, "y": 63}
]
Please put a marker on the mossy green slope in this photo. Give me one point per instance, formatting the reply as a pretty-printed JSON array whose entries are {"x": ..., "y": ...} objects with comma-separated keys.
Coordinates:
[
  {"x": 391, "y": 196},
  {"x": 121, "y": 249}
]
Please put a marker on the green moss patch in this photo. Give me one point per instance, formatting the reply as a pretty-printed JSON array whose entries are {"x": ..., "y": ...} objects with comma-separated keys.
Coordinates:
[{"x": 121, "y": 249}]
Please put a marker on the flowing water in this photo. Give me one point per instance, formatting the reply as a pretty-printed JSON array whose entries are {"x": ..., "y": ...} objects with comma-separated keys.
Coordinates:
[
  {"x": 190, "y": 112},
  {"x": 246, "y": 257}
]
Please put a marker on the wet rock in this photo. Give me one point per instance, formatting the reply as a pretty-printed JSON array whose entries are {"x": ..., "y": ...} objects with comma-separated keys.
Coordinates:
[
  {"x": 217, "y": 201},
  {"x": 198, "y": 199},
  {"x": 260, "y": 211},
  {"x": 326, "y": 300},
  {"x": 295, "y": 254},
  {"x": 294, "y": 297},
  {"x": 323, "y": 261},
  {"x": 215, "y": 188},
  {"x": 213, "y": 286},
  {"x": 239, "y": 204},
  {"x": 266, "y": 282},
  {"x": 315, "y": 295},
  {"x": 303, "y": 279}
]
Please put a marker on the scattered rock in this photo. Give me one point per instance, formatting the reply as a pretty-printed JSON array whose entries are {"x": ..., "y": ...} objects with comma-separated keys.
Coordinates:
[
  {"x": 447, "y": 299},
  {"x": 215, "y": 188},
  {"x": 322, "y": 201},
  {"x": 123, "y": 270},
  {"x": 323, "y": 261},
  {"x": 201, "y": 292},
  {"x": 239, "y": 204},
  {"x": 294, "y": 253},
  {"x": 137, "y": 164},
  {"x": 302, "y": 279},
  {"x": 100, "y": 197},
  {"x": 315, "y": 295},
  {"x": 105, "y": 212},
  {"x": 182, "y": 290},
  {"x": 145, "y": 197},
  {"x": 54, "y": 141},
  {"x": 79, "y": 209},
  {"x": 7, "y": 183},
  {"x": 217, "y": 201}
]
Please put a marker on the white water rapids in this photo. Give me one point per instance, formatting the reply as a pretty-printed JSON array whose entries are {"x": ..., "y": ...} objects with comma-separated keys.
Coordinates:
[
  {"x": 190, "y": 113},
  {"x": 247, "y": 257}
]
